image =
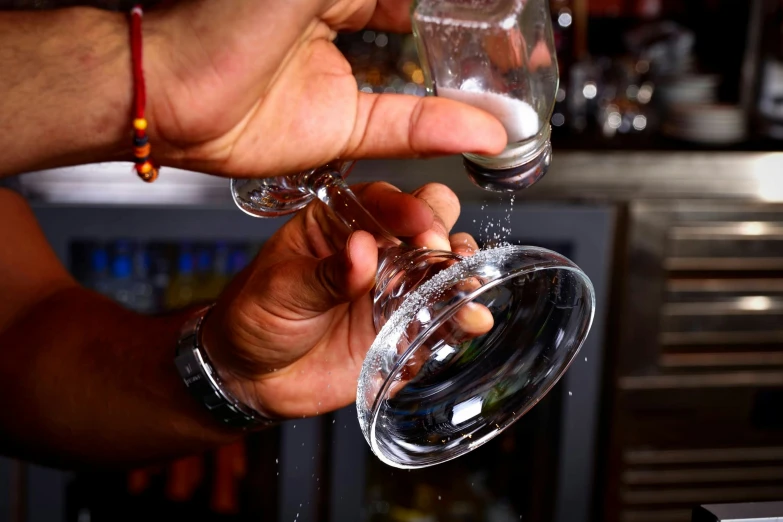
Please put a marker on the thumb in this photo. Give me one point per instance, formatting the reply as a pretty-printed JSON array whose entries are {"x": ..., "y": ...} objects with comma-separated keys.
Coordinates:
[
  {"x": 340, "y": 278},
  {"x": 399, "y": 125}
]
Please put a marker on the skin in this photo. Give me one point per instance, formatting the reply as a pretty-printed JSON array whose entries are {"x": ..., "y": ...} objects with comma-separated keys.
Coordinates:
[{"x": 235, "y": 88}]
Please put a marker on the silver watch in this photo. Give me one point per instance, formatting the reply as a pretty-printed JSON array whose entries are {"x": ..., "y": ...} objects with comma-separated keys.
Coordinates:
[{"x": 204, "y": 383}]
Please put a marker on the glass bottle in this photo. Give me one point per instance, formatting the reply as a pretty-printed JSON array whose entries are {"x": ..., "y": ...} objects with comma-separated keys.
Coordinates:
[
  {"x": 98, "y": 278},
  {"x": 499, "y": 56},
  {"x": 143, "y": 289},
  {"x": 182, "y": 288},
  {"x": 121, "y": 275}
]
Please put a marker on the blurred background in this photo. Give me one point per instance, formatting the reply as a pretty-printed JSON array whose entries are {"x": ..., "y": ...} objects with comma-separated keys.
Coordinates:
[{"x": 665, "y": 187}]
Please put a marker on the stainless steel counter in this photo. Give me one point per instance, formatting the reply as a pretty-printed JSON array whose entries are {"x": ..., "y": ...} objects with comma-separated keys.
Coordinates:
[{"x": 580, "y": 176}]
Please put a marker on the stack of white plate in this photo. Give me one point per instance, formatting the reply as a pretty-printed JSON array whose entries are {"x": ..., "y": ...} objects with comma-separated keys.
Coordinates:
[
  {"x": 688, "y": 88},
  {"x": 712, "y": 124}
]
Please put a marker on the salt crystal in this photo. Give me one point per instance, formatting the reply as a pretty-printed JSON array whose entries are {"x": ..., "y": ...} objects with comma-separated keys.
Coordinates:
[{"x": 518, "y": 117}]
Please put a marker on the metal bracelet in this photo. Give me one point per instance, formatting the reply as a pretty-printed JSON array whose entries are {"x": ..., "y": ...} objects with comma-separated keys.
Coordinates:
[{"x": 204, "y": 383}]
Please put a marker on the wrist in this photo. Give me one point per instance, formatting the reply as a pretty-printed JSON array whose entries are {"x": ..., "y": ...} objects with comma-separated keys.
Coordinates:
[
  {"x": 67, "y": 84},
  {"x": 217, "y": 390},
  {"x": 99, "y": 44},
  {"x": 228, "y": 366}
]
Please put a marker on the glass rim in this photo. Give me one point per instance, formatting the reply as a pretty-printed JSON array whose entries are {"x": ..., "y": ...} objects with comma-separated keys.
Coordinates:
[{"x": 446, "y": 314}]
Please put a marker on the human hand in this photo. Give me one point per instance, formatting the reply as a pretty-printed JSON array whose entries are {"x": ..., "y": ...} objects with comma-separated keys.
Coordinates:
[
  {"x": 249, "y": 88},
  {"x": 290, "y": 334}
]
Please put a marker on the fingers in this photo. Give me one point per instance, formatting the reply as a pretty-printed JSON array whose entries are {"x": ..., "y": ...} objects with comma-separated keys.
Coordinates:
[
  {"x": 463, "y": 244},
  {"x": 309, "y": 287},
  {"x": 391, "y": 15},
  {"x": 397, "y": 125},
  {"x": 446, "y": 208},
  {"x": 425, "y": 217},
  {"x": 541, "y": 57},
  {"x": 401, "y": 214},
  {"x": 383, "y": 15}
]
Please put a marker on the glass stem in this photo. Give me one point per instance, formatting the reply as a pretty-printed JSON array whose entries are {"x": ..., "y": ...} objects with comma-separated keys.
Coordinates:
[{"x": 327, "y": 184}]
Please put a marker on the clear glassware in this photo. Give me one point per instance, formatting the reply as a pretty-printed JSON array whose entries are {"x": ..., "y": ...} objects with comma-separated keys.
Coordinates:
[
  {"x": 465, "y": 345},
  {"x": 499, "y": 56}
]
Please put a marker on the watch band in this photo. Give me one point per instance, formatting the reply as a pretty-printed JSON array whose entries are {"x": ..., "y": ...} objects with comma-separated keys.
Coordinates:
[{"x": 204, "y": 383}]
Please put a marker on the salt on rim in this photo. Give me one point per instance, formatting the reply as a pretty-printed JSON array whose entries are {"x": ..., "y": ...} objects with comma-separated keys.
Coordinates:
[{"x": 384, "y": 348}]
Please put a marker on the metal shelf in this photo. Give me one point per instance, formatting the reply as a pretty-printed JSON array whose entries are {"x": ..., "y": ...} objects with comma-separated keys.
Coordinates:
[{"x": 575, "y": 176}]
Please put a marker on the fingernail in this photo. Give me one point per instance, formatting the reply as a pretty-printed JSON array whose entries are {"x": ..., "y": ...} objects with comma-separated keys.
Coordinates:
[
  {"x": 347, "y": 254},
  {"x": 466, "y": 247},
  {"x": 436, "y": 241}
]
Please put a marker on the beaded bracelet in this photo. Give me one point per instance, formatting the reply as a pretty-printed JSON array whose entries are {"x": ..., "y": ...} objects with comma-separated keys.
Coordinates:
[{"x": 145, "y": 168}]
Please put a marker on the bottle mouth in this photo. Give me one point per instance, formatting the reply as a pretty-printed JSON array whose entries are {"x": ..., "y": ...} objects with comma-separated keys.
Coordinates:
[{"x": 516, "y": 168}]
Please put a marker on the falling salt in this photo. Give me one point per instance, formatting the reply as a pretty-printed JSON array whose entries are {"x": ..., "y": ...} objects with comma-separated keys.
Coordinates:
[
  {"x": 518, "y": 117},
  {"x": 570, "y": 393}
]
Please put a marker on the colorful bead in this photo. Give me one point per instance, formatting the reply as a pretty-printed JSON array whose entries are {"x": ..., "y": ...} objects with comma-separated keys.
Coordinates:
[
  {"x": 145, "y": 169},
  {"x": 150, "y": 176},
  {"x": 143, "y": 151}
]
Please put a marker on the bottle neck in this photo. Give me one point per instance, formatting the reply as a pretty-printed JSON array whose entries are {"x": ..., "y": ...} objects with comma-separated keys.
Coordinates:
[{"x": 518, "y": 167}]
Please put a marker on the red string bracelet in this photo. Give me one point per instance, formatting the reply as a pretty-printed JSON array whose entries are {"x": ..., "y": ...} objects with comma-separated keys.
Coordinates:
[{"x": 145, "y": 168}]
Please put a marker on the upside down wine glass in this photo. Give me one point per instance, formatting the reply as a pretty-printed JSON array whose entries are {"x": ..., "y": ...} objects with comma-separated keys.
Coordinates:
[{"x": 466, "y": 344}]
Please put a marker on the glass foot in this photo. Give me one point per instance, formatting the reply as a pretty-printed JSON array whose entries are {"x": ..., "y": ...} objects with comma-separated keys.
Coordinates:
[{"x": 469, "y": 351}]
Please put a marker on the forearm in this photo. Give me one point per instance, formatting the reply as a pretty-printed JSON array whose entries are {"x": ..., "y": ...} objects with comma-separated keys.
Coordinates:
[
  {"x": 93, "y": 383},
  {"x": 65, "y": 90}
]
